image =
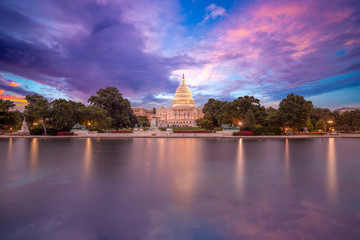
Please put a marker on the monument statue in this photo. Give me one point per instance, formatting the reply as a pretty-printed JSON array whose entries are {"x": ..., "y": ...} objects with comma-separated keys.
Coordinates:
[
  {"x": 229, "y": 127},
  {"x": 79, "y": 127},
  {"x": 154, "y": 124},
  {"x": 24, "y": 128}
]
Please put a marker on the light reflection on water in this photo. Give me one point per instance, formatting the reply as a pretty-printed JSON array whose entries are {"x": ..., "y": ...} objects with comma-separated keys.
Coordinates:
[
  {"x": 34, "y": 154},
  {"x": 331, "y": 170},
  {"x": 179, "y": 188},
  {"x": 88, "y": 153},
  {"x": 287, "y": 161},
  {"x": 240, "y": 168}
]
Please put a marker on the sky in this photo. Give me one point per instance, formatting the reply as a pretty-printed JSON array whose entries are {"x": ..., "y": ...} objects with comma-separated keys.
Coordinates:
[{"x": 71, "y": 48}]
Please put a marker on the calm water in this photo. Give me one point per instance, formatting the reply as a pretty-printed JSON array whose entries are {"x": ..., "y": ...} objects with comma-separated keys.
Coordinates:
[{"x": 179, "y": 189}]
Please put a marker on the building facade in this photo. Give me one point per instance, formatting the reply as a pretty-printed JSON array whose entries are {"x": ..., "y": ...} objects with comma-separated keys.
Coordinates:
[{"x": 182, "y": 113}]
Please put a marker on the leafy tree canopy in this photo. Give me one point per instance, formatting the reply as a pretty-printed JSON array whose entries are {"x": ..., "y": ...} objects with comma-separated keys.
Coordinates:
[
  {"x": 117, "y": 107},
  {"x": 7, "y": 117},
  {"x": 97, "y": 117},
  {"x": 320, "y": 125},
  {"x": 38, "y": 108},
  {"x": 294, "y": 111}
]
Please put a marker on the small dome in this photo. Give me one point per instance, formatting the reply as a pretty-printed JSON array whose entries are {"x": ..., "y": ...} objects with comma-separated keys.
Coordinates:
[{"x": 183, "y": 96}]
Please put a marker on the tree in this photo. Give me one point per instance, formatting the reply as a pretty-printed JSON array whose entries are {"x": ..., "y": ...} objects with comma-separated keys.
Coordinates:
[
  {"x": 143, "y": 120},
  {"x": 5, "y": 106},
  {"x": 294, "y": 111},
  {"x": 309, "y": 125},
  {"x": 7, "y": 117},
  {"x": 273, "y": 117},
  {"x": 214, "y": 113},
  {"x": 64, "y": 114},
  {"x": 38, "y": 108},
  {"x": 117, "y": 107},
  {"x": 321, "y": 113},
  {"x": 97, "y": 117},
  {"x": 205, "y": 123},
  {"x": 320, "y": 125},
  {"x": 350, "y": 119},
  {"x": 249, "y": 120},
  {"x": 242, "y": 105}
]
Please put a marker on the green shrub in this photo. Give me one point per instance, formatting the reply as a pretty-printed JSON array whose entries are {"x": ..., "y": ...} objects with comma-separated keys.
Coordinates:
[
  {"x": 37, "y": 131},
  {"x": 40, "y": 131},
  {"x": 267, "y": 130},
  {"x": 235, "y": 133}
]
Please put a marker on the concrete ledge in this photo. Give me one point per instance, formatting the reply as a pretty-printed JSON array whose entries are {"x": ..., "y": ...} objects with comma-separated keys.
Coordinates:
[{"x": 181, "y": 135}]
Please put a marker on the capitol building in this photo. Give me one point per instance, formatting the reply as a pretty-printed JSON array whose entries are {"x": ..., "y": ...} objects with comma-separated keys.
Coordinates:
[{"x": 183, "y": 112}]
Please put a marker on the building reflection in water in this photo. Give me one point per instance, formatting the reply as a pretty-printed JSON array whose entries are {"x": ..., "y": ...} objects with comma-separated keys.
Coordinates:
[
  {"x": 185, "y": 171},
  {"x": 87, "y": 159},
  {"x": 287, "y": 161},
  {"x": 240, "y": 168},
  {"x": 34, "y": 154},
  {"x": 331, "y": 170}
]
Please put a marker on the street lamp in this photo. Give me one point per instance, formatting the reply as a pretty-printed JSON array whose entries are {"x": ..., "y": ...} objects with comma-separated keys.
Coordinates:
[
  {"x": 239, "y": 126},
  {"x": 330, "y": 122}
]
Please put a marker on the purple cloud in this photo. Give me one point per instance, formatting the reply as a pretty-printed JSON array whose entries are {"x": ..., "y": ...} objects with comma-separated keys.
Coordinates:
[{"x": 86, "y": 44}]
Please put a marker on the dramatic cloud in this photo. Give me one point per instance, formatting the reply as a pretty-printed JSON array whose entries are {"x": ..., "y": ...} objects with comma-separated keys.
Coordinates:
[
  {"x": 86, "y": 46},
  {"x": 70, "y": 49},
  {"x": 275, "y": 47}
]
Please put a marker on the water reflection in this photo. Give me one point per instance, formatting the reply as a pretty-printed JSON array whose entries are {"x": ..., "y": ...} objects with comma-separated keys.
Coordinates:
[
  {"x": 186, "y": 174},
  {"x": 87, "y": 159},
  {"x": 240, "y": 171},
  {"x": 195, "y": 189},
  {"x": 10, "y": 151},
  {"x": 34, "y": 154},
  {"x": 287, "y": 161},
  {"x": 331, "y": 170}
]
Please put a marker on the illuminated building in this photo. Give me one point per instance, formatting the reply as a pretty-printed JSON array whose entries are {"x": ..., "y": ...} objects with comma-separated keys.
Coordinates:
[{"x": 182, "y": 113}]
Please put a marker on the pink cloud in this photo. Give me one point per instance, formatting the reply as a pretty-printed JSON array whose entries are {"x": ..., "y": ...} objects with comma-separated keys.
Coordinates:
[{"x": 283, "y": 45}]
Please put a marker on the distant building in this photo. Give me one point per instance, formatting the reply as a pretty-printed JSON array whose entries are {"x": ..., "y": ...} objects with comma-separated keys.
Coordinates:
[
  {"x": 344, "y": 109},
  {"x": 183, "y": 112}
]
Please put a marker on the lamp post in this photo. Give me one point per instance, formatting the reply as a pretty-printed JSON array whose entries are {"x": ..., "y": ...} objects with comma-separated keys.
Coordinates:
[
  {"x": 330, "y": 122},
  {"x": 239, "y": 126}
]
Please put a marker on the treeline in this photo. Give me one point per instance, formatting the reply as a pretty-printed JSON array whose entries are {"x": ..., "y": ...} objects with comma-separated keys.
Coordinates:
[
  {"x": 295, "y": 113},
  {"x": 107, "y": 109}
]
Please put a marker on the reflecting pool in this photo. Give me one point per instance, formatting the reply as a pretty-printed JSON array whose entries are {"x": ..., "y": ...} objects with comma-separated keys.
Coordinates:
[{"x": 179, "y": 188}]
